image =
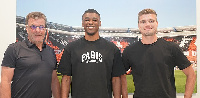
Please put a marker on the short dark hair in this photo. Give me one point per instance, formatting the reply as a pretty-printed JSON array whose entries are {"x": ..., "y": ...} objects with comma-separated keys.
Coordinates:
[
  {"x": 147, "y": 11},
  {"x": 90, "y": 11},
  {"x": 36, "y": 15}
]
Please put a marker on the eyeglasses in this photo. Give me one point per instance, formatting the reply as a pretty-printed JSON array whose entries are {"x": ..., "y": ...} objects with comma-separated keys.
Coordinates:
[{"x": 33, "y": 27}]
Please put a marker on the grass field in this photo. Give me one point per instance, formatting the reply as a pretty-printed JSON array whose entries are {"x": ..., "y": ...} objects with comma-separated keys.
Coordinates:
[{"x": 180, "y": 79}]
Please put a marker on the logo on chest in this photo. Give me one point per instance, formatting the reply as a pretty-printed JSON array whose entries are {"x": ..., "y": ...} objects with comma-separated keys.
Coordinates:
[{"x": 91, "y": 57}]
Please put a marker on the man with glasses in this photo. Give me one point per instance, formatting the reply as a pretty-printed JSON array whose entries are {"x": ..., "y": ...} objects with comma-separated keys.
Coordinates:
[
  {"x": 29, "y": 67},
  {"x": 152, "y": 61}
]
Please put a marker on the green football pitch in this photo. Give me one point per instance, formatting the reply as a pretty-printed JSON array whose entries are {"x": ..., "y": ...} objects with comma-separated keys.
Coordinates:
[{"x": 180, "y": 80}]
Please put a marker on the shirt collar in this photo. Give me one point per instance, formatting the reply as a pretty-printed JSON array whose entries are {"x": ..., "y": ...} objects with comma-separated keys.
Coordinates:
[{"x": 29, "y": 44}]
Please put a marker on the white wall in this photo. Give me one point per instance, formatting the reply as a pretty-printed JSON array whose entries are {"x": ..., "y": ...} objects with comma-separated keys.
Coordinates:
[
  {"x": 198, "y": 46},
  {"x": 7, "y": 25}
]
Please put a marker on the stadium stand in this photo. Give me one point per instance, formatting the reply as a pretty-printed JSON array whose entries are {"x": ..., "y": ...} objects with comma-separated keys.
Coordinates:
[{"x": 59, "y": 35}]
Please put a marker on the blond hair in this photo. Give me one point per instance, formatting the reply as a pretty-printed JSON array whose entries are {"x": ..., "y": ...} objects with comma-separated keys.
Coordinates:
[{"x": 147, "y": 11}]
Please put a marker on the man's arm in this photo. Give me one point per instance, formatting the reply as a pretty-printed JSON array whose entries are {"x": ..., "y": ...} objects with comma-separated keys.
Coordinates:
[
  {"x": 65, "y": 86},
  {"x": 55, "y": 85},
  {"x": 6, "y": 78},
  {"x": 190, "y": 81},
  {"x": 116, "y": 87},
  {"x": 124, "y": 86}
]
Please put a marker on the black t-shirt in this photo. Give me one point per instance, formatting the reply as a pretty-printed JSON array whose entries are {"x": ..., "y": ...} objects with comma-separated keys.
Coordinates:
[
  {"x": 92, "y": 64},
  {"x": 33, "y": 69},
  {"x": 153, "y": 68}
]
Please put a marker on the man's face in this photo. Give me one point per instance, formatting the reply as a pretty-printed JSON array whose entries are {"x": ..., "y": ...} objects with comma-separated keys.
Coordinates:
[
  {"x": 91, "y": 23},
  {"x": 36, "y": 30},
  {"x": 148, "y": 24}
]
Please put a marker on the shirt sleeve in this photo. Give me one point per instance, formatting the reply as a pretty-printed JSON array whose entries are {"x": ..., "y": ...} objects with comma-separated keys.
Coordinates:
[
  {"x": 54, "y": 55},
  {"x": 125, "y": 60},
  {"x": 65, "y": 66},
  {"x": 9, "y": 59},
  {"x": 180, "y": 59},
  {"x": 118, "y": 67}
]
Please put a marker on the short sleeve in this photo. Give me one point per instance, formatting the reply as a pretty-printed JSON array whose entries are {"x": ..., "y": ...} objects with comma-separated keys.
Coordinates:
[
  {"x": 118, "y": 67},
  {"x": 10, "y": 57},
  {"x": 54, "y": 55},
  {"x": 125, "y": 60},
  {"x": 180, "y": 59},
  {"x": 65, "y": 66}
]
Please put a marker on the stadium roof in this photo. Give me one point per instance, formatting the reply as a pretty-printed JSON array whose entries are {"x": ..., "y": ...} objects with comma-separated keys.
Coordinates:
[{"x": 123, "y": 32}]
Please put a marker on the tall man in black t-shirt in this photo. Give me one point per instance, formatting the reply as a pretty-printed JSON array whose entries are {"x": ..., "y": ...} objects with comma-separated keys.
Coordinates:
[
  {"x": 152, "y": 61},
  {"x": 94, "y": 64},
  {"x": 29, "y": 67}
]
